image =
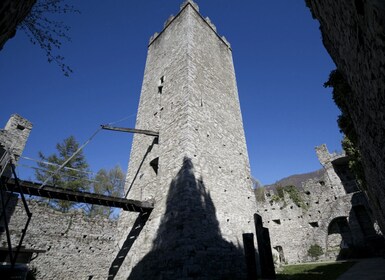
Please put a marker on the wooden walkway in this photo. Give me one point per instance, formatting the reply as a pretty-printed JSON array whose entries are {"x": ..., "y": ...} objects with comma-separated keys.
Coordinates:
[{"x": 81, "y": 197}]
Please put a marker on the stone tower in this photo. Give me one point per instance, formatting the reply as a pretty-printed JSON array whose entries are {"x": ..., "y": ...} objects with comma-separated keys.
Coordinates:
[{"x": 197, "y": 171}]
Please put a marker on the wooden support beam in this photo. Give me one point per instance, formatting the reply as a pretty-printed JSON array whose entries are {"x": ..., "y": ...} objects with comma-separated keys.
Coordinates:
[{"x": 131, "y": 130}]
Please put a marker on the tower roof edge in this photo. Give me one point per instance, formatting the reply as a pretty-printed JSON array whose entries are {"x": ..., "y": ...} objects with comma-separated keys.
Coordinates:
[
  {"x": 195, "y": 7},
  {"x": 191, "y": 2}
]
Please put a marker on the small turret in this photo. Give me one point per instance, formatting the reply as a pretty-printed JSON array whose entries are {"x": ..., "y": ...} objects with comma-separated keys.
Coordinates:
[{"x": 12, "y": 140}]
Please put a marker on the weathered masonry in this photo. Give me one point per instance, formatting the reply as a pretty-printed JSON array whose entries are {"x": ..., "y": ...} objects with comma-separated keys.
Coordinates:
[
  {"x": 353, "y": 34},
  {"x": 64, "y": 245},
  {"x": 58, "y": 245},
  {"x": 197, "y": 170},
  {"x": 327, "y": 210},
  {"x": 14, "y": 136}
]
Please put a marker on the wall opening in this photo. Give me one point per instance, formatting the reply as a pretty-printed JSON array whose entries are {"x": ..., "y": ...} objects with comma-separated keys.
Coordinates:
[
  {"x": 314, "y": 224},
  {"x": 280, "y": 252},
  {"x": 364, "y": 221},
  {"x": 277, "y": 221},
  {"x": 155, "y": 164},
  {"x": 339, "y": 236},
  {"x": 160, "y": 84}
]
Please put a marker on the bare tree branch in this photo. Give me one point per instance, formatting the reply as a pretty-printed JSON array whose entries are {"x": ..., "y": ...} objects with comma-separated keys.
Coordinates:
[{"x": 47, "y": 33}]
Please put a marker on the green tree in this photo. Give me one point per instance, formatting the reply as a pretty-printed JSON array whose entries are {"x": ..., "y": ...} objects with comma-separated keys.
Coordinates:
[
  {"x": 341, "y": 93},
  {"x": 110, "y": 183},
  {"x": 355, "y": 161},
  {"x": 75, "y": 175}
]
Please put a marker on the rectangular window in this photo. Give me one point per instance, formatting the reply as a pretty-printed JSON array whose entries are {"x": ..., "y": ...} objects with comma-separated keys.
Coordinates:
[{"x": 160, "y": 84}]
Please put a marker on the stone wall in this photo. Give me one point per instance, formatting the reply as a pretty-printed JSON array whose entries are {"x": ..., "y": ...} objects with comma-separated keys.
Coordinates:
[
  {"x": 15, "y": 134},
  {"x": 353, "y": 33},
  {"x": 12, "y": 12},
  {"x": 331, "y": 213},
  {"x": 76, "y": 247},
  {"x": 202, "y": 184},
  {"x": 12, "y": 142}
]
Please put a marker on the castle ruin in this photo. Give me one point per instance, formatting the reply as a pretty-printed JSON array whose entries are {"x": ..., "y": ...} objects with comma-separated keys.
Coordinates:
[
  {"x": 325, "y": 209},
  {"x": 196, "y": 166},
  {"x": 353, "y": 34}
]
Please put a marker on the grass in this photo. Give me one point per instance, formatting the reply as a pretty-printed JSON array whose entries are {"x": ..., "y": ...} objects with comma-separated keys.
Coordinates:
[{"x": 314, "y": 271}]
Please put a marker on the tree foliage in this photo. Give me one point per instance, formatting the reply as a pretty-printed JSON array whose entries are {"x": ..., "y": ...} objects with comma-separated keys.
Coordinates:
[
  {"x": 296, "y": 197},
  {"x": 259, "y": 190},
  {"x": 260, "y": 194},
  {"x": 355, "y": 161},
  {"x": 110, "y": 183},
  {"x": 293, "y": 194},
  {"x": 46, "y": 32},
  {"x": 341, "y": 93},
  {"x": 75, "y": 175},
  {"x": 315, "y": 251},
  {"x": 280, "y": 191}
]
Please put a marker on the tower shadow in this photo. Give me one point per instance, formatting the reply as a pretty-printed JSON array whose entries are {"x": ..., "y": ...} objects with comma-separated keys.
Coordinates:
[{"x": 188, "y": 243}]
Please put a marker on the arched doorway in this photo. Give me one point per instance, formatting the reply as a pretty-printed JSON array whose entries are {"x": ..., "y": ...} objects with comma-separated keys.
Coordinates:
[
  {"x": 281, "y": 255},
  {"x": 339, "y": 238}
]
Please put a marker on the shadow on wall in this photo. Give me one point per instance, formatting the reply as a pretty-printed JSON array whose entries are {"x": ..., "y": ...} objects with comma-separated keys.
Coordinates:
[
  {"x": 355, "y": 237},
  {"x": 10, "y": 201},
  {"x": 189, "y": 242},
  {"x": 137, "y": 227}
]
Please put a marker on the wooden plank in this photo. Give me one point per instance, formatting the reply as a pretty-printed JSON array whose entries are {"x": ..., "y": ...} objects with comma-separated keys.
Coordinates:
[
  {"x": 131, "y": 130},
  {"x": 76, "y": 196}
]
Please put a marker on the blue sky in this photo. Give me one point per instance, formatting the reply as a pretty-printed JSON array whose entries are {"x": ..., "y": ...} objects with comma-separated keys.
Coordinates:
[{"x": 280, "y": 65}]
